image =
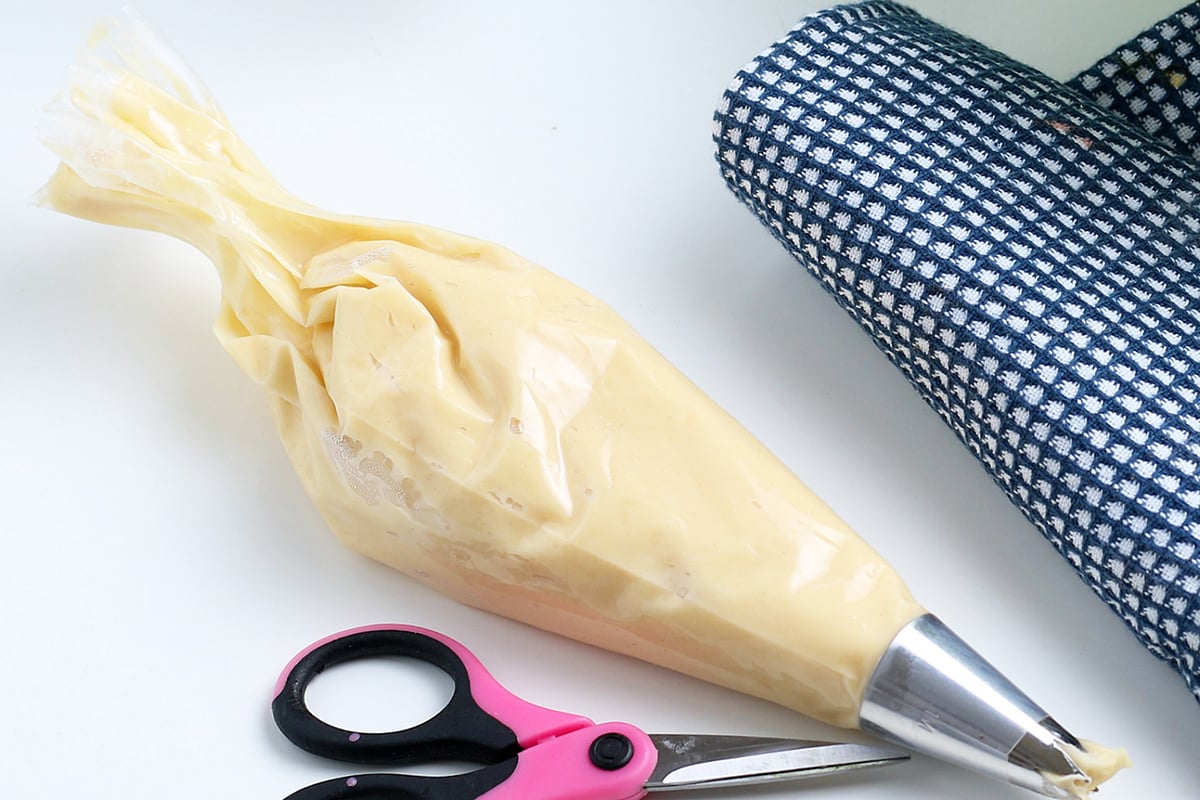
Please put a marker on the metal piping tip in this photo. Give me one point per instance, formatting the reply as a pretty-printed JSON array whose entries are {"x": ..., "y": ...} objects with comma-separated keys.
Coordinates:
[
  {"x": 933, "y": 694},
  {"x": 1050, "y": 759}
]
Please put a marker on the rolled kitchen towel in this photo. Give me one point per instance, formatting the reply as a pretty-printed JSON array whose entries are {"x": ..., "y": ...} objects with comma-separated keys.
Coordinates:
[
  {"x": 1154, "y": 80},
  {"x": 1025, "y": 255}
]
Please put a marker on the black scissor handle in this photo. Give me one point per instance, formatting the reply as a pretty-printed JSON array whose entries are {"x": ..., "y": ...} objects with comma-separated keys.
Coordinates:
[
  {"x": 461, "y": 731},
  {"x": 408, "y": 787}
]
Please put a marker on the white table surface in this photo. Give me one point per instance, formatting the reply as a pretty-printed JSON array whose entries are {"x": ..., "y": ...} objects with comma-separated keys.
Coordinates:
[{"x": 159, "y": 560}]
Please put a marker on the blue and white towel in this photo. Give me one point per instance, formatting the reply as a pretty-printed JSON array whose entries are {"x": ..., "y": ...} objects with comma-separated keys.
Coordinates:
[{"x": 1026, "y": 252}]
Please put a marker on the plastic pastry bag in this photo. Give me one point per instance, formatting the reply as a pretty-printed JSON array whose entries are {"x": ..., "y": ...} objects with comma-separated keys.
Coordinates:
[
  {"x": 472, "y": 420},
  {"x": 496, "y": 432}
]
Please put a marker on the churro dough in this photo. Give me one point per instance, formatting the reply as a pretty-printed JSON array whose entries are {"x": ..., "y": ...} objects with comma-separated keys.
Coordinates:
[
  {"x": 482, "y": 425},
  {"x": 1099, "y": 762}
]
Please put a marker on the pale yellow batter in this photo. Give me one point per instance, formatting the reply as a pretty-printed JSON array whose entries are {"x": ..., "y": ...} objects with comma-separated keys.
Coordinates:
[
  {"x": 1099, "y": 763},
  {"x": 484, "y": 426}
]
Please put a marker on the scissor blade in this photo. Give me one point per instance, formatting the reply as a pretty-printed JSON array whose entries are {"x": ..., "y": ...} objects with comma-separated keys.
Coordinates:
[{"x": 698, "y": 761}]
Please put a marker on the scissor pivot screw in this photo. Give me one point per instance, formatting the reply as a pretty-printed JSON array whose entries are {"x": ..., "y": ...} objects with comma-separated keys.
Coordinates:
[{"x": 611, "y": 751}]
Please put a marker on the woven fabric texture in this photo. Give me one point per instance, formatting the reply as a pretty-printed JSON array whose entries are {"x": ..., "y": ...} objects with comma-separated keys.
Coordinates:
[
  {"x": 1154, "y": 80},
  {"x": 1025, "y": 255}
]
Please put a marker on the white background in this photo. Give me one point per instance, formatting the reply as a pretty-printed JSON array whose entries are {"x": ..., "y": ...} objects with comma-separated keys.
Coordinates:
[{"x": 158, "y": 560}]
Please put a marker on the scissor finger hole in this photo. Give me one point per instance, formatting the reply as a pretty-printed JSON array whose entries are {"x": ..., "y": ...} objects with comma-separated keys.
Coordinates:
[{"x": 379, "y": 694}]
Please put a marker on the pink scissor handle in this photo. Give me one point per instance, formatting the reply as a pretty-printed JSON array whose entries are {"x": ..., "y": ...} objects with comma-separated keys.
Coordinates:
[
  {"x": 567, "y": 767},
  {"x": 483, "y": 722}
]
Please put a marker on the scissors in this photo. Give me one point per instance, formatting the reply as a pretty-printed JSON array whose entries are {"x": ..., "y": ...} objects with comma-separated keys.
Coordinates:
[{"x": 527, "y": 752}]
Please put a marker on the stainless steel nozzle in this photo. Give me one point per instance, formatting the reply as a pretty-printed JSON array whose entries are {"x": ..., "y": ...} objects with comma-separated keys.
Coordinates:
[{"x": 933, "y": 694}]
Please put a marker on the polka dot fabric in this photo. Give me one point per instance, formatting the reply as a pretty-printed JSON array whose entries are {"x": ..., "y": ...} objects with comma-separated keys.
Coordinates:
[{"x": 1027, "y": 257}]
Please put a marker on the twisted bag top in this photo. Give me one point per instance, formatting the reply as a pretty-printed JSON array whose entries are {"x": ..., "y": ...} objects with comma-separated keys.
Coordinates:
[{"x": 1025, "y": 255}]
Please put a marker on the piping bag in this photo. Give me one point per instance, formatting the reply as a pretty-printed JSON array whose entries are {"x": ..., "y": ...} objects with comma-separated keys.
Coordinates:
[{"x": 499, "y": 434}]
